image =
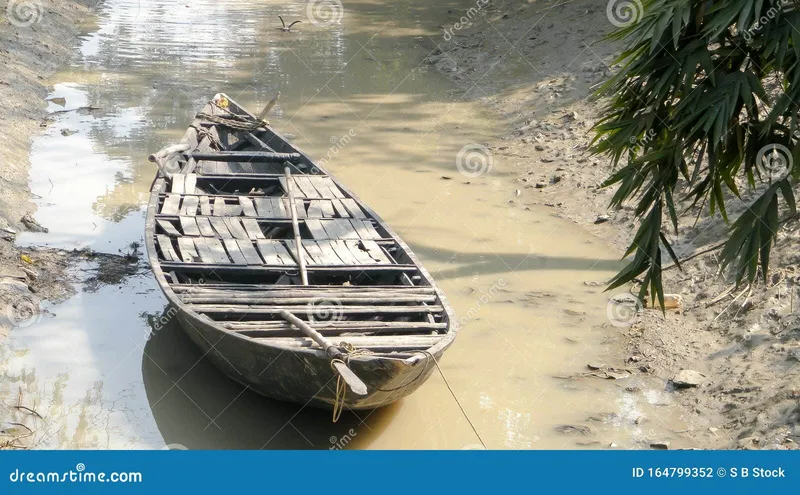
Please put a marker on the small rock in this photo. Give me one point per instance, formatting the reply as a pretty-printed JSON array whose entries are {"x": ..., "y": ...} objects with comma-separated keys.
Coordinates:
[
  {"x": 595, "y": 366},
  {"x": 445, "y": 177},
  {"x": 688, "y": 379},
  {"x": 601, "y": 219},
  {"x": 539, "y": 147},
  {"x": 32, "y": 224},
  {"x": 67, "y": 132},
  {"x": 659, "y": 445},
  {"x": 541, "y": 185}
]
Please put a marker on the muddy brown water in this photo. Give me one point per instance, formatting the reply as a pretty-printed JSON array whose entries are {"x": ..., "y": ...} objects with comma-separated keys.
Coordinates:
[{"x": 110, "y": 369}]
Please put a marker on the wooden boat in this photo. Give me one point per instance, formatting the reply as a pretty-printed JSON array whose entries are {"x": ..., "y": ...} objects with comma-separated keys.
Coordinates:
[{"x": 220, "y": 236}]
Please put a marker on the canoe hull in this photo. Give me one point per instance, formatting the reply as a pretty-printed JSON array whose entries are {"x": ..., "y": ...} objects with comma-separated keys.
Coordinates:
[{"x": 304, "y": 377}]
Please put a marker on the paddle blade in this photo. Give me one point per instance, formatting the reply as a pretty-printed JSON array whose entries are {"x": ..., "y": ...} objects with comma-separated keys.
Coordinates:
[{"x": 356, "y": 385}]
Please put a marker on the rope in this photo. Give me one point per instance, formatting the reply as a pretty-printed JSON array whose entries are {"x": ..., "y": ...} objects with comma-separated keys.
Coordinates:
[
  {"x": 474, "y": 430},
  {"x": 341, "y": 387},
  {"x": 233, "y": 122}
]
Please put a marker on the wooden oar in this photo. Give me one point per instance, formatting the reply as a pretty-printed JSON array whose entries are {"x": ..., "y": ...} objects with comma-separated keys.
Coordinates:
[
  {"x": 337, "y": 356},
  {"x": 269, "y": 106},
  {"x": 298, "y": 241}
]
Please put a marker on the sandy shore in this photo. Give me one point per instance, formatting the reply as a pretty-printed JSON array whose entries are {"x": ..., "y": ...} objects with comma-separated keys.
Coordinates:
[{"x": 535, "y": 65}]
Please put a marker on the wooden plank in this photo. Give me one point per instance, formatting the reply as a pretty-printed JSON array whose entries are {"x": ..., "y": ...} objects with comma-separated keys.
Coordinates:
[
  {"x": 290, "y": 246},
  {"x": 328, "y": 255},
  {"x": 315, "y": 252},
  {"x": 178, "y": 183},
  {"x": 206, "y": 255},
  {"x": 189, "y": 226},
  {"x": 191, "y": 183},
  {"x": 362, "y": 231},
  {"x": 264, "y": 207},
  {"x": 315, "y": 209},
  {"x": 343, "y": 270},
  {"x": 334, "y": 189},
  {"x": 353, "y": 208},
  {"x": 221, "y": 227},
  {"x": 189, "y": 206},
  {"x": 167, "y": 226},
  {"x": 234, "y": 252},
  {"x": 187, "y": 249},
  {"x": 219, "y": 207},
  {"x": 321, "y": 186},
  {"x": 343, "y": 252},
  {"x": 367, "y": 224},
  {"x": 172, "y": 204},
  {"x": 339, "y": 208},
  {"x": 205, "y": 206},
  {"x": 299, "y": 206},
  {"x": 220, "y": 256},
  {"x": 249, "y": 252},
  {"x": 235, "y": 227},
  {"x": 274, "y": 253},
  {"x": 247, "y": 206},
  {"x": 253, "y": 229},
  {"x": 327, "y": 209},
  {"x": 316, "y": 229},
  {"x": 397, "y": 343},
  {"x": 307, "y": 187},
  {"x": 310, "y": 309},
  {"x": 375, "y": 252},
  {"x": 167, "y": 250},
  {"x": 346, "y": 228},
  {"x": 205, "y": 227},
  {"x": 360, "y": 254},
  {"x": 279, "y": 208}
]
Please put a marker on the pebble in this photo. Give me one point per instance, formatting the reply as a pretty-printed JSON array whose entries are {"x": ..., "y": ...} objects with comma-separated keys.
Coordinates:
[
  {"x": 688, "y": 379},
  {"x": 574, "y": 430},
  {"x": 601, "y": 219},
  {"x": 659, "y": 445}
]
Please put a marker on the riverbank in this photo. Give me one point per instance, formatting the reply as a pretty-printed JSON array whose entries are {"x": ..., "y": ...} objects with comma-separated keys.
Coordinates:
[{"x": 535, "y": 65}]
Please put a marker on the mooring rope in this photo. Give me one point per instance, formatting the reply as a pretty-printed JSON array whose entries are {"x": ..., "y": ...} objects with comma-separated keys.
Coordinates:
[
  {"x": 474, "y": 430},
  {"x": 234, "y": 122},
  {"x": 341, "y": 386}
]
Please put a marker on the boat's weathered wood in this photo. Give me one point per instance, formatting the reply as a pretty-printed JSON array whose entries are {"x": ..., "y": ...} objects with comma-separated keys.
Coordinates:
[
  {"x": 220, "y": 235},
  {"x": 242, "y": 156},
  {"x": 298, "y": 239},
  {"x": 338, "y": 359},
  {"x": 254, "y": 309}
]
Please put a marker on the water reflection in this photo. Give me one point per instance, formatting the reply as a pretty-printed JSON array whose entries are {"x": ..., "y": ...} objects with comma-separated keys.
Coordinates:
[{"x": 195, "y": 405}]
